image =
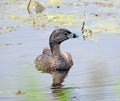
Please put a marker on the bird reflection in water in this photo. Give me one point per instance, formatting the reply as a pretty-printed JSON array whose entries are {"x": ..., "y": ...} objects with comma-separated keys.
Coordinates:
[{"x": 58, "y": 78}]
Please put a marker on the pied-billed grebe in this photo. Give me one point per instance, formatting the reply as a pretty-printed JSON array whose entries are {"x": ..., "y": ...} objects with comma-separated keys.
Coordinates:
[{"x": 54, "y": 59}]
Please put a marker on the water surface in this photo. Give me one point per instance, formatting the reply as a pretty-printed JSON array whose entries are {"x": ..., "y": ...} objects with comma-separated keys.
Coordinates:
[{"x": 95, "y": 75}]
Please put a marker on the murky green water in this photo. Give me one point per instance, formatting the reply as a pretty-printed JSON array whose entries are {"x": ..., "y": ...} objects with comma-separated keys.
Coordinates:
[{"x": 95, "y": 75}]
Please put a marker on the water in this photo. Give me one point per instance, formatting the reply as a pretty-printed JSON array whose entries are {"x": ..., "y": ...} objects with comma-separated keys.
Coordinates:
[{"x": 95, "y": 75}]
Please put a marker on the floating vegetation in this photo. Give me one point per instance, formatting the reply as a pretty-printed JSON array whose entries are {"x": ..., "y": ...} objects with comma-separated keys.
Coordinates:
[
  {"x": 56, "y": 19},
  {"x": 7, "y": 29},
  {"x": 105, "y": 27},
  {"x": 61, "y": 18},
  {"x": 32, "y": 87},
  {"x": 80, "y": 3},
  {"x": 38, "y": 8},
  {"x": 9, "y": 44},
  {"x": 55, "y": 1},
  {"x": 100, "y": 14},
  {"x": 19, "y": 92},
  {"x": 104, "y": 4},
  {"x": 10, "y": 2},
  {"x": 86, "y": 33}
]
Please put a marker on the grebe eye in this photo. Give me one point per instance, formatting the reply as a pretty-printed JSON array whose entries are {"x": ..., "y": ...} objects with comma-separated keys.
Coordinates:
[{"x": 65, "y": 33}]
